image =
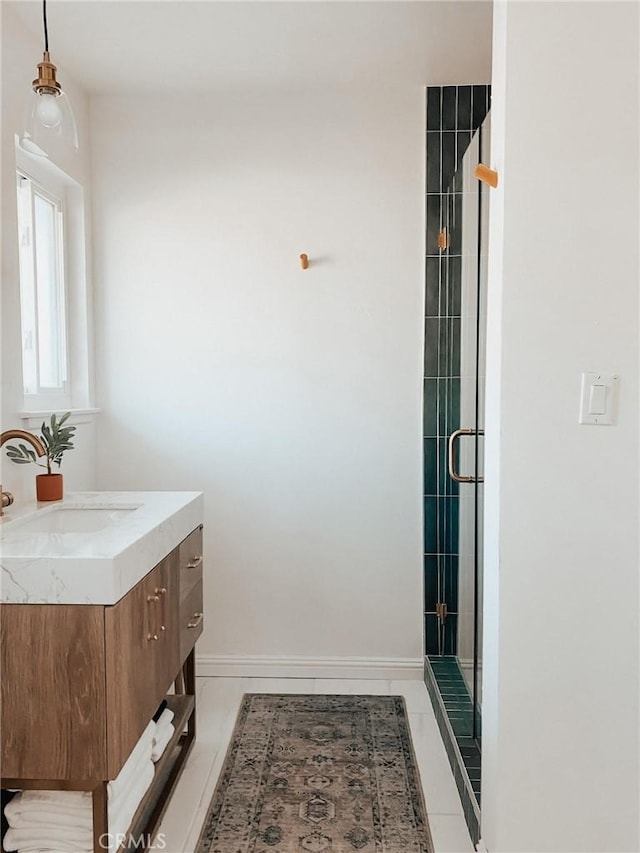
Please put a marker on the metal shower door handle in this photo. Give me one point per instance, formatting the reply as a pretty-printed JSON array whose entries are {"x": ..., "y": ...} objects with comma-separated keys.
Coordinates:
[{"x": 455, "y": 435}]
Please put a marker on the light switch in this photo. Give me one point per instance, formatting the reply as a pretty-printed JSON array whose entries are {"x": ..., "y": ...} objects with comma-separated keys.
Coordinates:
[{"x": 598, "y": 399}]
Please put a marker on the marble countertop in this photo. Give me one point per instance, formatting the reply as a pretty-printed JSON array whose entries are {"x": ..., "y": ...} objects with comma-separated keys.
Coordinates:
[{"x": 93, "y": 567}]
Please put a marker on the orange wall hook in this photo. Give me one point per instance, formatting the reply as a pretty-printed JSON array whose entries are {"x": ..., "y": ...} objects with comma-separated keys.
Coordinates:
[
  {"x": 484, "y": 173},
  {"x": 304, "y": 261}
]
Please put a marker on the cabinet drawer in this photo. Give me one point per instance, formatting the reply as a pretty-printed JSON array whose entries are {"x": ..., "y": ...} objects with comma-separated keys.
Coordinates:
[
  {"x": 190, "y": 620},
  {"x": 190, "y": 563}
]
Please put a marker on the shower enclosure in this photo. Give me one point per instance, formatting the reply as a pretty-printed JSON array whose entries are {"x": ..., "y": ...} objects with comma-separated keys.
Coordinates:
[
  {"x": 453, "y": 664},
  {"x": 465, "y": 457}
]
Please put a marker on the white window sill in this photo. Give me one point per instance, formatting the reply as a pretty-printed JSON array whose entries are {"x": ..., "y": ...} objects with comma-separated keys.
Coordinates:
[{"x": 33, "y": 420}]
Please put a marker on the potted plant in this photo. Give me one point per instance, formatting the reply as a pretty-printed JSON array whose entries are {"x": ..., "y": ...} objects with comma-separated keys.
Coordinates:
[{"x": 56, "y": 440}]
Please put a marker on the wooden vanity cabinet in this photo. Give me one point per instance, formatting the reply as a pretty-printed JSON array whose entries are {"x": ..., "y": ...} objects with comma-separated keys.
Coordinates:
[{"x": 80, "y": 683}]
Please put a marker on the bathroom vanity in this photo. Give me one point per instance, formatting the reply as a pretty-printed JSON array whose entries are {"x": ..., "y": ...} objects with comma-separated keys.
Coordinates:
[{"x": 102, "y": 604}]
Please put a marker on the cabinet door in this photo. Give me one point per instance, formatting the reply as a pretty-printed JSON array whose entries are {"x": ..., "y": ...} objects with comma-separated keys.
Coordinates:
[
  {"x": 53, "y": 680},
  {"x": 134, "y": 689}
]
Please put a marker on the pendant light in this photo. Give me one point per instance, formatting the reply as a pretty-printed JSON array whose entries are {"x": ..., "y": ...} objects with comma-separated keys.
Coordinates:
[{"x": 49, "y": 113}]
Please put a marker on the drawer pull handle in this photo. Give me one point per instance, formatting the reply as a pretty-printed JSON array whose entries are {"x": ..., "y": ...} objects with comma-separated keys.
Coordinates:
[
  {"x": 152, "y": 635},
  {"x": 197, "y": 619},
  {"x": 195, "y": 562},
  {"x": 162, "y": 590}
]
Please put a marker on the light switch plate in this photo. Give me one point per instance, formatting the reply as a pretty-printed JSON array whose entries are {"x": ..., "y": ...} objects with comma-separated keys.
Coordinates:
[{"x": 599, "y": 399}]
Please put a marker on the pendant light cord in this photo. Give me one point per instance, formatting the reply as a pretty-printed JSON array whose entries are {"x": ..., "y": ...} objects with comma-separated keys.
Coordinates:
[{"x": 44, "y": 21}]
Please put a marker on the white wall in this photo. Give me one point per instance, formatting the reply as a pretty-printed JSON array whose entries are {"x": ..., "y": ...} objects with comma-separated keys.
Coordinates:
[
  {"x": 292, "y": 398},
  {"x": 561, "y": 709},
  {"x": 20, "y": 55}
]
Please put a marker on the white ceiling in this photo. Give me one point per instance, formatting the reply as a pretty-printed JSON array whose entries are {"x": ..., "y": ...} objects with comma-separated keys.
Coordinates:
[{"x": 118, "y": 46}]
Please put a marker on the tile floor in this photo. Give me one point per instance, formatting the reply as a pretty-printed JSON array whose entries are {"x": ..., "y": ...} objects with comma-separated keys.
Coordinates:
[{"x": 218, "y": 700}]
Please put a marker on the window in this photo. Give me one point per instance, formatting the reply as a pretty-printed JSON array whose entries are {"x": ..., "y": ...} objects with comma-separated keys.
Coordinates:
[
  {"x": 42, "y": 292},
  {"x": 54, "y": 296}
]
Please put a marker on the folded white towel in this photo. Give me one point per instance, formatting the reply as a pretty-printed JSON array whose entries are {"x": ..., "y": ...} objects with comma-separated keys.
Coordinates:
[
  {"x": 164, "y": 732},
  {"x": 41, "y": 847},
  {"x": 125, "y": 794},
  {"x": 140, "y": 753},
  {"x": 163, "y": 720},
  {"x": 160, "y": 745},
  {"x": 48, "y": 849},
  {"x": 45, "y": 818},
  {"x": 120, "y": 787},
  {"x": 122, "y": 810},
  {"x": 59, "y": 799},
  {"x": 61, "y": 840},
  {"x": 141, "y": 745},
  {"x": 21, "y": 813}
]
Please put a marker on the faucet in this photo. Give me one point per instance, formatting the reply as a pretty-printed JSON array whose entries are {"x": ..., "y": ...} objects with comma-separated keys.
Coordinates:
[{"x": 7, "y": 435}]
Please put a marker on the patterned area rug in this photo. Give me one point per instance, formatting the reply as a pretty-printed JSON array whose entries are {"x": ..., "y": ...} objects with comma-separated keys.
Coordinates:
[{"x": 321, "y": 774}]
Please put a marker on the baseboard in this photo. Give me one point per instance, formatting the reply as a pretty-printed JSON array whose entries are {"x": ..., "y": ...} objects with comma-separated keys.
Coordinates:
[{"x": 267, "y": 666}]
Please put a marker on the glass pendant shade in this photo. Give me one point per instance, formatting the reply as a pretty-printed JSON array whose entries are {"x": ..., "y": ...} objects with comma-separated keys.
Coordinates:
[{"x": 49, "y": 120}]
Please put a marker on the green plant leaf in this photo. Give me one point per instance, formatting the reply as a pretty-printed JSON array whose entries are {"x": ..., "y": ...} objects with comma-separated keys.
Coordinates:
[
  {"x": 18, "y": 458},
  {"x": 56, "y": 439},
  {"x": 21, "y": 454}
]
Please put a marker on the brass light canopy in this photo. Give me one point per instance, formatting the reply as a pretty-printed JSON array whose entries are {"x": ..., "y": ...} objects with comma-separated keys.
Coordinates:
[{"x": 45, "y": 82}]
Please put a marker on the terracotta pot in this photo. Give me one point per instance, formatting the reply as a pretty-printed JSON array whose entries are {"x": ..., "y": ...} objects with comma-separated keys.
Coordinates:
[{"x": 49, "y": 487}]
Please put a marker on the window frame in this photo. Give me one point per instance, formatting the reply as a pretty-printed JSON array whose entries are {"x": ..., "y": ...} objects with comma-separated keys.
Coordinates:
[
  {"x": 45, "y": 396},
  {"x": 55, "y": 184}
]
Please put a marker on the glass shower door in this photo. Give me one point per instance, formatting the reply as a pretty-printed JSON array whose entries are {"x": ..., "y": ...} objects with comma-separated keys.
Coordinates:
[
  {"x": 467, "y": 209},
  {"x": 454, "y": 469},
  {"x": 466, "y": 462}
]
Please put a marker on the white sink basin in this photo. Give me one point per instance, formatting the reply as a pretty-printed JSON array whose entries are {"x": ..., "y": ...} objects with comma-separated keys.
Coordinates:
[{"x": 69, "y": 520}]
